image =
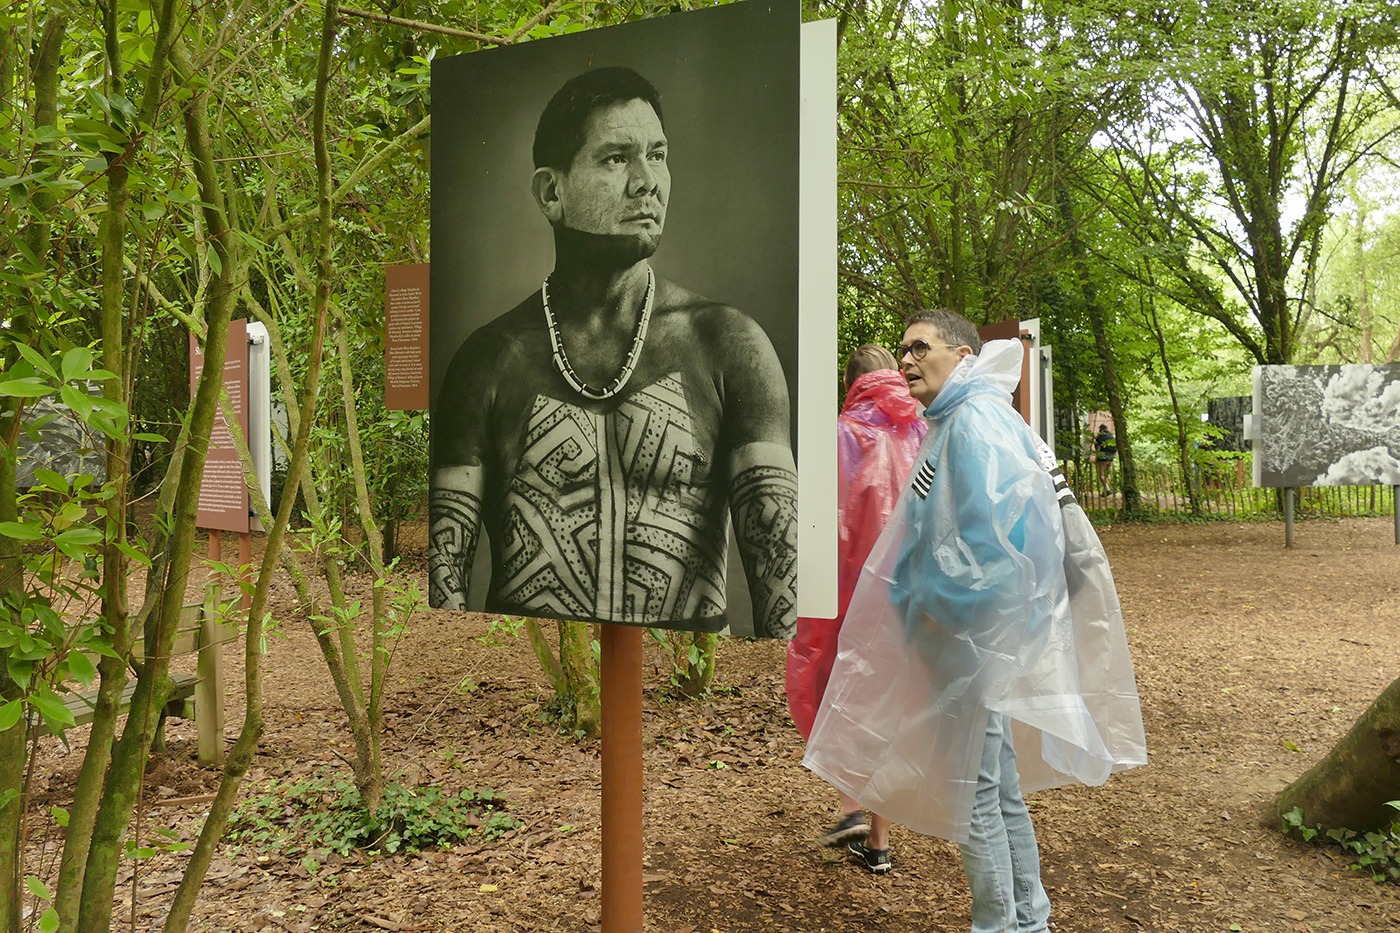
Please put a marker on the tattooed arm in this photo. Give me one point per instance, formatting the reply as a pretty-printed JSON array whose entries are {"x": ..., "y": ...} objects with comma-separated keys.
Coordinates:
[
  {"x": 763, "y": 500},
  {"x": 458, "y": 478},
  {"x": 762, "y": 475},
  {"x": 454, "y": 521}
]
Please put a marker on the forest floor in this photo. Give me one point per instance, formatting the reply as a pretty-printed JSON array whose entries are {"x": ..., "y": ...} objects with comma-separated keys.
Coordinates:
[{"x": 1252, "y": 660}]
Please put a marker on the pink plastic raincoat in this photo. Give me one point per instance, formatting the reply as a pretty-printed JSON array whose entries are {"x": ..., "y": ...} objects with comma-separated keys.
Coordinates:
[{"x": 877, "y": 436}]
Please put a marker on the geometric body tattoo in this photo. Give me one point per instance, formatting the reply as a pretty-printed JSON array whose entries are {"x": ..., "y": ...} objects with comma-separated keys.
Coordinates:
[
  {"x": 454, "y": 523},
  {"x": 764, "y": 500},
  {"x": 613, "y": 517}
]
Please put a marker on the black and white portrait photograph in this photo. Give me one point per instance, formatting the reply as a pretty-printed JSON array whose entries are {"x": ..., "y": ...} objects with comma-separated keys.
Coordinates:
[
  {"x": 614, "y": 323},
  {"x": 1330, "y": 425}
]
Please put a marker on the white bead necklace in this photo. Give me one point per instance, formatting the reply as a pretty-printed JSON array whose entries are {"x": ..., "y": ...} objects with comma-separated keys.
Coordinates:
[{"x": 561, "y": 361}]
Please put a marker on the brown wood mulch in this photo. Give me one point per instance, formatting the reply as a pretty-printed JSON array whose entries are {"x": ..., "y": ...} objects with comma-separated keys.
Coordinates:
[{"x": 1251, "y": 661}]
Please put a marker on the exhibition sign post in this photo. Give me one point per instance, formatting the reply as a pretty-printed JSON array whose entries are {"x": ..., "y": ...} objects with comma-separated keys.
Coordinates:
[
  {"x": 544, "y": 437},
  {"x": 1326, "y": 426},
  {"x": 223, "y": 505},
  {"x": 620, "y": 688}
]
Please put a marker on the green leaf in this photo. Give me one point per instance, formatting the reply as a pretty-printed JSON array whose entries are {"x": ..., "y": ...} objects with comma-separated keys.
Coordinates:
[
  {"x": 98, "y": 643},
  {"x": 76, "y": 362},
  {"x": 37, "y": 888},
  {"x": 150, "y": 438},
  {"x": 35, "y": 358},
  {"x": 16, "y": 180},
  {"x": 79, "y": 537},
  {"x": 25, "y": 388},
  {"x": 81, "y": 667},
  {"x": 80, "y": 402},
  {"x": 54, "y": 712},
  {"x": 52, "y": 480},
  {"x": 134, "y": 554},
  {"x": 10, "y": 713},
  {"x": 49, "y": 921},
  {"x": 22, "y": 531}
]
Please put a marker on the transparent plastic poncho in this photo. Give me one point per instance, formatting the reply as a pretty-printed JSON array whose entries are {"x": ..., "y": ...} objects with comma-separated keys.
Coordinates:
[
  {"x": 988, "y": 590},
  {"x": 877, "y": 437}
]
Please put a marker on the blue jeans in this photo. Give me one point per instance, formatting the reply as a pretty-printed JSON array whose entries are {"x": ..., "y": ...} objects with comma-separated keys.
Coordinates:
[{"x": 1000, "y": 857}]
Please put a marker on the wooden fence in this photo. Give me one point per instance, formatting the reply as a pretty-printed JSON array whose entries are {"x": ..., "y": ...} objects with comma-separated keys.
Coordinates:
[{"x": 1223, "y": 491}]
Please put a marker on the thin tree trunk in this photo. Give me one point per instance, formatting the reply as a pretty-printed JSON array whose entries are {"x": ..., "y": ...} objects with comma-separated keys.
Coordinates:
[
  {"x": 700, "y": 670},
  {"x": 1131, "y": 497},
  {"x": 1193, "y": 489},
  {"x": 1366, "y": 347},
  {"x": 244, "y": 747},
  {"x": 87, "y": 794},
  {"x": 336, "y": 642},
  {"x": 14, "y": 741},
  {"x": 545, "y": 655},
  {"x": 580, "y": 675},
  {"x": 369, "y": 776},
  {"x": 152, "y": 690},
  {"x": 957, "y": 193}
]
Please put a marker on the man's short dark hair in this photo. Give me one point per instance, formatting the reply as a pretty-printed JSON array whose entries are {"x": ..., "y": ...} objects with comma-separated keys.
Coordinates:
[
  {"x": 559, "y": 135},
  {"x": 955, "y": 328}
]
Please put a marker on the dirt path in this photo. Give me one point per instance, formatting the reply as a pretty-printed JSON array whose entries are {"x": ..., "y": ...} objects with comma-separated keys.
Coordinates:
[{"x": 1251, "y": 661}]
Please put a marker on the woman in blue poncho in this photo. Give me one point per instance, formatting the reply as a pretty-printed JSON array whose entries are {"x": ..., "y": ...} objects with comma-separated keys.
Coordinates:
[{"x": 985, "y": 624}]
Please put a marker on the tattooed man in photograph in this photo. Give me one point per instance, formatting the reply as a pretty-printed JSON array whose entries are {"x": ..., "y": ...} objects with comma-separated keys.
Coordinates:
[{"x": 605, "y": 429}]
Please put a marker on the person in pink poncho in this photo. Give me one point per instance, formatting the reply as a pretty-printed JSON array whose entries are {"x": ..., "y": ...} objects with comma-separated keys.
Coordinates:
[{"x": 878, "y": 434}]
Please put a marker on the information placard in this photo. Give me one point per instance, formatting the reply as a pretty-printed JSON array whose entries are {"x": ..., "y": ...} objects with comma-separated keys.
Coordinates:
[
  {"x": 223, "y": 494},
  {"x": 406, "y": 337}
]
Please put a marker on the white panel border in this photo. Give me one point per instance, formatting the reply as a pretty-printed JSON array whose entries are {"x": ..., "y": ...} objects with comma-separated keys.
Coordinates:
[{"x": 816, "y": 418}]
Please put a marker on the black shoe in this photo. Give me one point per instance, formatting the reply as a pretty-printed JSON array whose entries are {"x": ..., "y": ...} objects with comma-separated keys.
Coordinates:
[
  {"x": 852, "y": 826},
  {"x": 876, "y": 861}
]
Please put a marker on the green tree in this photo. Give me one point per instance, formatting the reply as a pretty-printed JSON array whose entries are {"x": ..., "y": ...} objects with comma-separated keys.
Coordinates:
[{"x": 1279, "y": 104}]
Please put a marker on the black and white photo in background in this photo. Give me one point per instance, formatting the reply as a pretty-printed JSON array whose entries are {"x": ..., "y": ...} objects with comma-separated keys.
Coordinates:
[
  {"x": 614, "y": 322},
  {"x": 1327, "y": 425}
]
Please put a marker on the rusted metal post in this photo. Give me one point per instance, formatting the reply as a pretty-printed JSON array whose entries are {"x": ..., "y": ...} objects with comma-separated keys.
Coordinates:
[
  {"x": 1288, "y": 517},
  {"x": 621, "y": 696}
]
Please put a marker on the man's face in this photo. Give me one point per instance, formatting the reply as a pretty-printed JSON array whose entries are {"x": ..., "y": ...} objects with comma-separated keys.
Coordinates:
[
  {"x": 619, "y": 183},
  {"x": 927, "y": 376}
]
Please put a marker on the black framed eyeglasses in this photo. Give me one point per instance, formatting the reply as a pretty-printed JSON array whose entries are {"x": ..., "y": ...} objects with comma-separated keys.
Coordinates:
[{"x": 919, "y": 349}]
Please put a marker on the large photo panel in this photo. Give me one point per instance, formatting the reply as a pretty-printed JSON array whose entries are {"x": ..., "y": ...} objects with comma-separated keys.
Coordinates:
[
  {"x": 613, "y": 351},
  {"x": 1328, "y": 425}
]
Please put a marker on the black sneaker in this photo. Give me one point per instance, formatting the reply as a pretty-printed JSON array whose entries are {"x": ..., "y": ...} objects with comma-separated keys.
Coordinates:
[
  {"x": 852, "y": 826},
  {"x": 876, "y": 861}
]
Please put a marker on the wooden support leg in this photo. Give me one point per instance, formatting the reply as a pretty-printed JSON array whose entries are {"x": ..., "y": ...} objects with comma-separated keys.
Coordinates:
[
  {"x": 621, "y": 689},
  {"x": 209, "y": 694}
]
